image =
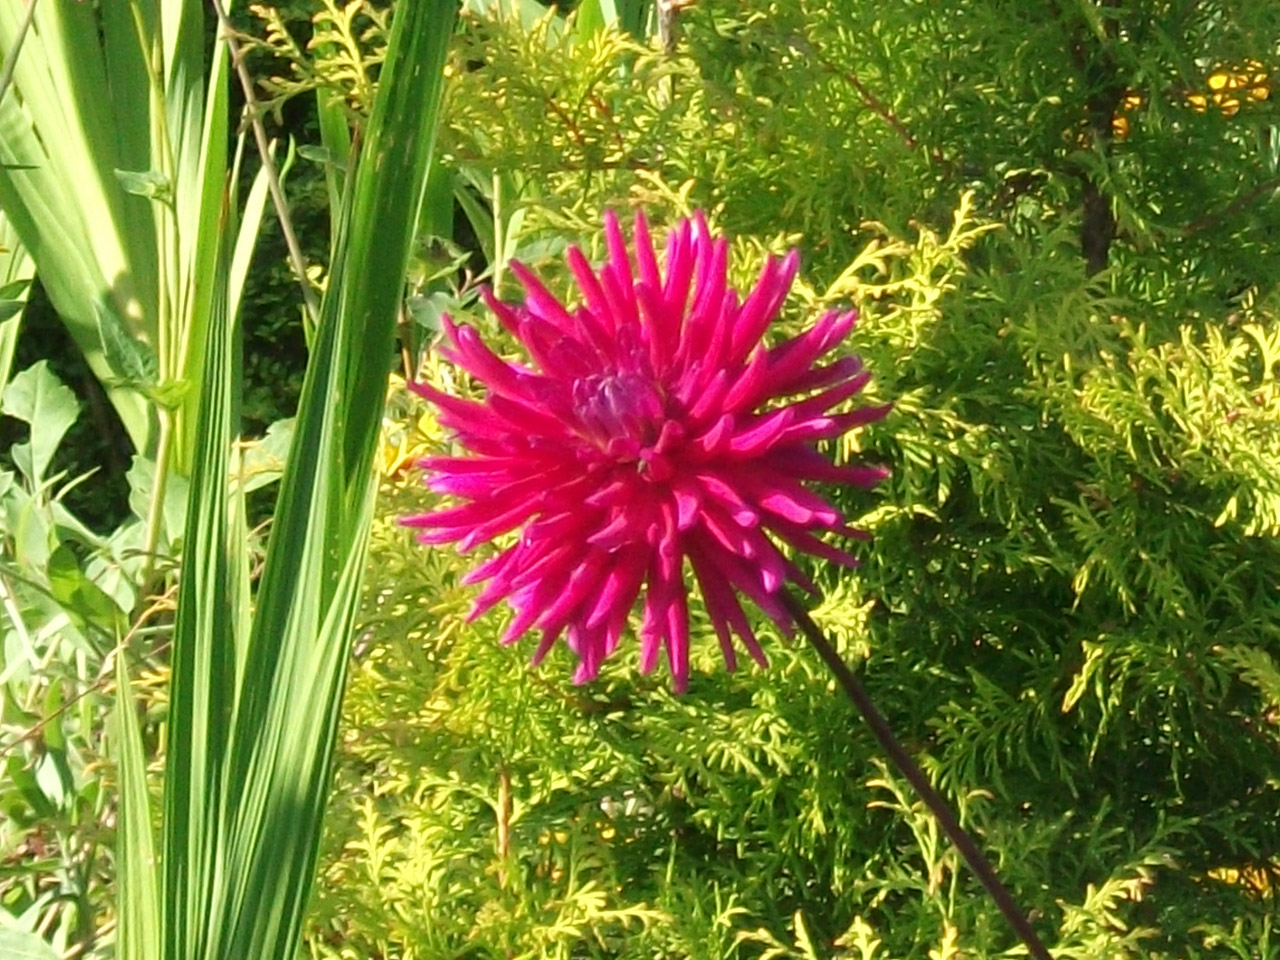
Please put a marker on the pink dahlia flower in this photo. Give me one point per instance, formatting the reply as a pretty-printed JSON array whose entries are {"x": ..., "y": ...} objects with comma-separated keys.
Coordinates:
[{"x": 652, "y": 427}]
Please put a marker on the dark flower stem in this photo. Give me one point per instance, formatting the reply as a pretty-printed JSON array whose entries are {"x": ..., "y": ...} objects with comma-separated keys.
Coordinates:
[{"x": 974, "y": 857}]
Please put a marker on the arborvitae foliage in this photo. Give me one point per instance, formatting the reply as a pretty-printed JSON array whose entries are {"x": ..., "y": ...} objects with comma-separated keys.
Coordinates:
[{"x": 1070, "y": 606}]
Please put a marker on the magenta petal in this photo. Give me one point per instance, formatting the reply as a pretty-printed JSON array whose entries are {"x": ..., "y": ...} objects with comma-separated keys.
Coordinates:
[
  {"x": 710, "y": 399},
  {"x": 705, "y": 315},
  {"x": 677, "y": 630},
  {"x": 548, "y": 641},
  {"x": 802, "y": 540},
  {"x": 681, "y": 261},
  {"x": 620, "y": 530},
  {"x": 590, "y": 286},
  {"x": 716, "y": 440},
  {"x": 725, "y": 492},
  {"x": 646, "y": 261},
  {"x": 619, "y": 259},
  {"x": 749, "y": 388},
  {"x": 722, "y": 604},
  {"x": 539, "y": 300},
  {"x": 619, "y": 588},
  {"x": 583, "y": 580},
  {"x": 763, "y": 305},
  {"x": 687, "y": 503},
  {"x": 756, "y": 439},
  {"x": 791, "y": 507},
  {"x": 508, "y": 317}
]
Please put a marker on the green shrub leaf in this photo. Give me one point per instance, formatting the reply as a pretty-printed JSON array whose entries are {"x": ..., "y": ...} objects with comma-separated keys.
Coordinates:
[{"x": 37, "y": 397}]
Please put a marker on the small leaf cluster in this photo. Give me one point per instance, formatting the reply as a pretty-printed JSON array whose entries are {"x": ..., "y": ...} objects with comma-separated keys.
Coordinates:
[
  {"x": 66, "y": 596},
  {"x": 350, "y": 39}
]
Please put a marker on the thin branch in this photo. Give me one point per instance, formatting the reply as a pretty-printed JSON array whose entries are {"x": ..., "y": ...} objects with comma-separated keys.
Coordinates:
[
  {"x": 875, "y": 105},
  {"x": 974, "y": 857},
  {"x": 669, "y": 23},
  {"x": 869, "y": 100},
  {"x": 273, "y": 178},
  {"x": 1234, "y": 207}
]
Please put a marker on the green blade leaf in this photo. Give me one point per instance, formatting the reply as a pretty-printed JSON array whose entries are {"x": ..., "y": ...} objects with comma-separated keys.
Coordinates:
[
  {"x": 16, "y": 271},
  {"x": 85, "y": 603},
  {"x": 208, "y": 634},
  {"x": 71, "y": 128},
  {"x": 286, "y": 724},
  {"x": 138, "y": 900}
]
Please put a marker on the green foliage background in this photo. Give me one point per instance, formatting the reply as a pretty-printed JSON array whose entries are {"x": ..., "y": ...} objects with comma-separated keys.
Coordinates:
[{"x": 1069, "y": 607}]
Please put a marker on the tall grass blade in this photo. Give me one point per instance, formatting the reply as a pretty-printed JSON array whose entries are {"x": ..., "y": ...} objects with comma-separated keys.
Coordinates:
[
  {"x": 251, "y": 739},
  {"x": 335, "y": 137},
  {"x": 211, "y": 606},
  {"x": 138, "y": 887}
]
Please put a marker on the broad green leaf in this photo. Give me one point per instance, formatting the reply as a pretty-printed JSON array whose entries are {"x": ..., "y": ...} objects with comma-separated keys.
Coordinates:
[
  {"x": 151, "y": 184},
  {"x": 23, "y": 779},
  {"x": 25, "y": 524},
  {"x": 113, "y": 107},
  {"x": 437, "y": 205},
  {"x": 428, "y": 312},
  {"x": 315, "y": 154},
  {"x": 21, "y": 945},
  {"x": 71, "y": 127},
  {"x": 170, "y": 394},
  {"x": 635, "y": 15},
  {"x": 17, "y": 288},
  {"x": 37, "y": 397},
  {"x": 263, "y": 460},
  {"x": 141, "y": 477},
  {"x": 82, "y": 599},
  {"x": 55, "y": 738},
  {"x": 481, "y": 219},
  {"x": 593, "y": 16},
  {"x": 132, "y": 363},
  {"x": 54, "y": 779},
  {"x": 529, "y": 12},
  {"x": 19, "y": 660},
  {"x": 117, "y": 565},
  {"x": 70, "y": 528}
]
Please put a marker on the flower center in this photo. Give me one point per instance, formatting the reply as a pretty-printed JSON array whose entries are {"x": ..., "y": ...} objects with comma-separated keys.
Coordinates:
[{"x": 621, "y": 413}]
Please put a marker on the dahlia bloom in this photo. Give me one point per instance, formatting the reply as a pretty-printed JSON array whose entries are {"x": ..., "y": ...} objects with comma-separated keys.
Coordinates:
[{"x": 651, "y": 427}]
